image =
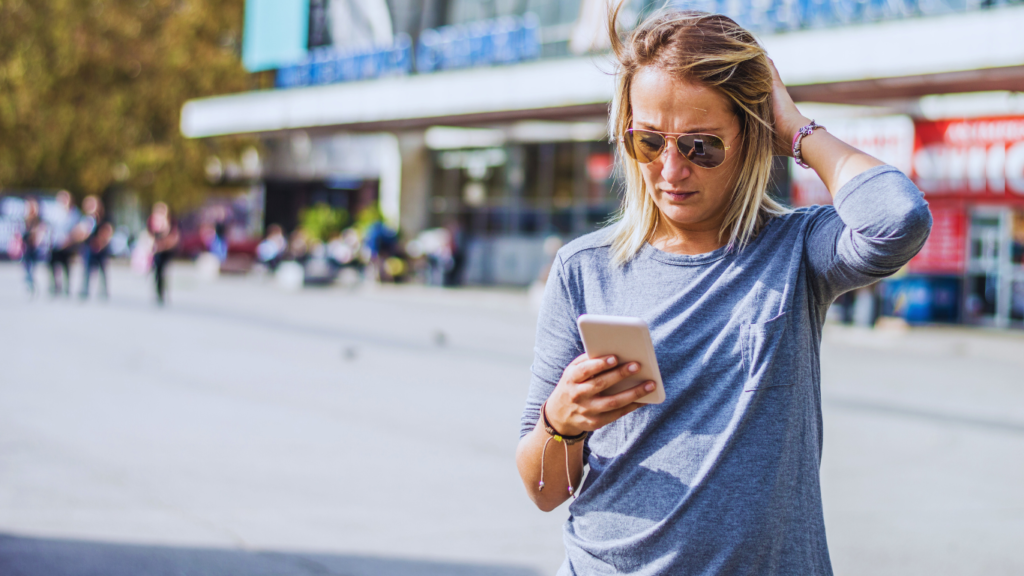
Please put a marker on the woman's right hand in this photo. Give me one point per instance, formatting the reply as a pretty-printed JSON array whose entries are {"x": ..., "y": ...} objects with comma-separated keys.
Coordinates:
[{"x": 577, "y": 406}]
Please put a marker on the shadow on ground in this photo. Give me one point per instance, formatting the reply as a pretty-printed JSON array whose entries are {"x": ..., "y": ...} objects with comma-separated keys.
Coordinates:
[{"x": 20, "y": 556}]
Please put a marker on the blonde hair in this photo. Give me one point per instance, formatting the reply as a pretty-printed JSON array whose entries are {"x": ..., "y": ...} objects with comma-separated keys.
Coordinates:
[{"x": 715, "y": 51}]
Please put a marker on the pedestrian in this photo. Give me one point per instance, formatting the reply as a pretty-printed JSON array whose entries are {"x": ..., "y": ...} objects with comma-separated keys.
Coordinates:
[
  {"x": 298, "y": 247},
  {"x": 271, "y": 250},
  {"x": 94, "y": 232},
  {"x": 62, "y": 246},
  {"x": 453, "y": 275},
  {"x": 381, "y": 242},
  {"x": 32, "y": 242},
  {"x": 723, "y": 476},
  {"x": 164, "y": 232}
]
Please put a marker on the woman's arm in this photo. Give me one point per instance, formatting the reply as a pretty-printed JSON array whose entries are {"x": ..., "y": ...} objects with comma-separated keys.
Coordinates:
[
  {"x": 566, "y": 385},
  {"x": 555, "y": 480},
  {"x": 835, "y": 161},
  {"x": 574, "y": 407},
  {"x": 103, "y": 237},
  {"x": 880, "y": 221}
]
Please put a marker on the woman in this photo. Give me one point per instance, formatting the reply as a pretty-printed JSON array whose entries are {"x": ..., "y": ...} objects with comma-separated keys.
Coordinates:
[
  {"x": 165, "y": 241},
  {"x": 721, "y": 478},
  {"x": 32, "y": 242},
  {"x": 65, "y": 218},
  {"x": 94, "y": 231}
]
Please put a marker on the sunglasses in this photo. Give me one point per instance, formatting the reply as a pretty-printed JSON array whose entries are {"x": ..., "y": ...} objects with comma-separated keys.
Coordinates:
[{"x": 704, "y": 150}]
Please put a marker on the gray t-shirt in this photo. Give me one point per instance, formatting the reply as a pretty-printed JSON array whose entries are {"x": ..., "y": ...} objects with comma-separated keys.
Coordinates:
[{"x": 722, "y": 478}]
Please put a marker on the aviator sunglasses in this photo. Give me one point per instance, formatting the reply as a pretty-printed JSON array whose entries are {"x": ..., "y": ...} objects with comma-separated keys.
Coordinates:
[{"x": 704, "y": 150}]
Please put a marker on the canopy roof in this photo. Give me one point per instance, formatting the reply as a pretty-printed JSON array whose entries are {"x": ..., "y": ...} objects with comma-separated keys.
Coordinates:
[{"x": 962, "y": 52}]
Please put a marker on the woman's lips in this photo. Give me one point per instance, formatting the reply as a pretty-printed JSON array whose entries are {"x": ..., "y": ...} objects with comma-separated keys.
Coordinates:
[{"x": 678, "y": 196}]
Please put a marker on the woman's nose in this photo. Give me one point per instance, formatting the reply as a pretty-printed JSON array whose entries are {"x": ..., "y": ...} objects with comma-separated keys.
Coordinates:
[{"x": 673, "y": 166}]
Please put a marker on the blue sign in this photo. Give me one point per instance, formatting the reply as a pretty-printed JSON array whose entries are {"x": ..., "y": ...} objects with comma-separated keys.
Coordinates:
[
  {"x": 327, "y": 65},
  {"x": 501, "y": 41}
]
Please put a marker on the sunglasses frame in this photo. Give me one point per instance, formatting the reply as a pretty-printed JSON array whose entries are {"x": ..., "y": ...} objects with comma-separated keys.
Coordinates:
[{"x": 674, "y": 137}]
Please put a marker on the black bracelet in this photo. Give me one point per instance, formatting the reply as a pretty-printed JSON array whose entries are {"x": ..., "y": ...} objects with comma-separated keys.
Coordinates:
[{"x": 569, "y": 440}]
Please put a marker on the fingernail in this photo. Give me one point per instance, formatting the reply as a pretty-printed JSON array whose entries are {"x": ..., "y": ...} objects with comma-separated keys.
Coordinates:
[
  {"x": 611, "y": 360},
  {"x": 649, "y": 387},
  {"x": 634, "y": 367}
]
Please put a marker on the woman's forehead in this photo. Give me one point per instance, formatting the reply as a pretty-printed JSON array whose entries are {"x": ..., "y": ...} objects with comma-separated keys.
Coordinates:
[{"x": 667, "y": 104}]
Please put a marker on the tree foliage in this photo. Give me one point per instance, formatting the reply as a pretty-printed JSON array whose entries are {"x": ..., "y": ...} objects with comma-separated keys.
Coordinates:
[
  {"x": 321, "y": 222},
  {"x": 91, "y": 92}
]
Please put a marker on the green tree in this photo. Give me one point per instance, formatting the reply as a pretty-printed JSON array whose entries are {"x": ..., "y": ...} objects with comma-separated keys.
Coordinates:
[
  {"x": 321, "y": 222},
  {"x": 91, "y": 92}
]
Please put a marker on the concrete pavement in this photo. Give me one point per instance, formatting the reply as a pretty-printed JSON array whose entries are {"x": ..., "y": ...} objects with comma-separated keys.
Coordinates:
[{"x": 247, "y": 430}]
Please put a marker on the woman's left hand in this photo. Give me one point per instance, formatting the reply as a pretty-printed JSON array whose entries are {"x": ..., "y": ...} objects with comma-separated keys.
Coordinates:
[{"x": 788, "y": 120}]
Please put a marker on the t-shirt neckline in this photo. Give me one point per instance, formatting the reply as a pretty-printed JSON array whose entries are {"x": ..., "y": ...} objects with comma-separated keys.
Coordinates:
[{"x": 649, "y": 251}]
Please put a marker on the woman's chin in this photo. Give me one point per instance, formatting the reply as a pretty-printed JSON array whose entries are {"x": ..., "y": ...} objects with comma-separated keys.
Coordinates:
[{"x": 684, "y": 217}]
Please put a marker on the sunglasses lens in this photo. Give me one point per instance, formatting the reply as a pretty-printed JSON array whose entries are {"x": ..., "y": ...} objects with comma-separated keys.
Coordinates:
[
  {"x": 704, "y": 150},
  {"x": 644, "y": 146}
]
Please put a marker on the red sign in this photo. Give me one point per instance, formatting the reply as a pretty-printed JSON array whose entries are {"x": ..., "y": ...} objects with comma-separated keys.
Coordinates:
[
  {"x": 977, "y": 159},
  {"x": 889, "y": 138},
  {"x": 944, "y": 252}
]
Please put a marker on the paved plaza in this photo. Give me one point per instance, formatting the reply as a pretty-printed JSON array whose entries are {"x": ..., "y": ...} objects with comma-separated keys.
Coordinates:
[{"x": 370, "y": 431}]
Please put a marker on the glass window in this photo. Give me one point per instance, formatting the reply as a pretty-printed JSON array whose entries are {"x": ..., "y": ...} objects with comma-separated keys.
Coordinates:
[{"x": 566, "y": 188}]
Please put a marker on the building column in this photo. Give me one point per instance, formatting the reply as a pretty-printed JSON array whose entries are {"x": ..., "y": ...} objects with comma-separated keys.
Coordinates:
[{"x": 405, "y": 184}]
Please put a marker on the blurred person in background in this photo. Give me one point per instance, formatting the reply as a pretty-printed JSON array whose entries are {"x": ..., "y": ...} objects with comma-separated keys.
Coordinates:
[
  {"x": 164, "y": 232},
  {"x": 211, "y": 233},
  {"x": 272, "y": 249},
  {"x": 63, "y": 220},
  {"x": 219, "y": 244},
  {"x": 94, "y": 232},
  {"x": 298, "y": 247},
  {"x": 33, "y": 239},
  {"x": 456, "y": 241},
  {"x": 435, "y": 245},
  {"x": 338, "y": 252},
  {"x": 344, "y": 252},
  {"x": 352, "y": 239},
  {"x": 381, "y": 242},
  {"x": 722, "y": 477}
]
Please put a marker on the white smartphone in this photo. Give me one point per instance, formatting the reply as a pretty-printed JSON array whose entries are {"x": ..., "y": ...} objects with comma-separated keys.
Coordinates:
[{"x": 629, "y": 340}]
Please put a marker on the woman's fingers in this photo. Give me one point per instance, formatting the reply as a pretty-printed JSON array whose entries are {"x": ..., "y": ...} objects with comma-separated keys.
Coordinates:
[
  {"x": 610, "y": 378},
  {"x": 580, "y": 406},
  {"x": 589, "y": 368},
  {"x": 624, "y": 398},
  {"x": 788, "y": 118},
  {"x": 613, "y": 415}
]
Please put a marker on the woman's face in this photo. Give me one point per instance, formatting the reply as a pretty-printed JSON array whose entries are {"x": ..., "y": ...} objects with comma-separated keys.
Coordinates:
[{"x": 689, "y": 197}]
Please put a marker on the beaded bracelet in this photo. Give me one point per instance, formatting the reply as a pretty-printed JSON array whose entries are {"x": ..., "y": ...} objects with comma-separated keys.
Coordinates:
[
  {"x": 798, "y": 140},
  {"x": 565, "y": 440}
]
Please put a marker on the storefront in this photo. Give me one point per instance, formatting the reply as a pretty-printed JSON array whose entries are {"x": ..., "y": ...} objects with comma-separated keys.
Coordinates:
[
  {"x": 364, "y": 88},
  {"x": 972, "y": 172},
  {"x": 535, "y": 180}
]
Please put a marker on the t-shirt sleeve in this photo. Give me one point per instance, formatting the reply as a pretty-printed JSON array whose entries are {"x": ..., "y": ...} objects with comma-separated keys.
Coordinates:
[
  {"x": 879, "y": 222},
  {"x": 557, "y": 344}
]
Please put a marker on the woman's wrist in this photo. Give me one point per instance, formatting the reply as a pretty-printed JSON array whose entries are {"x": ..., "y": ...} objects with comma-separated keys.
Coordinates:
[
  {"x": 549, "y": 417},
  {"x": 792, "y": 127}
]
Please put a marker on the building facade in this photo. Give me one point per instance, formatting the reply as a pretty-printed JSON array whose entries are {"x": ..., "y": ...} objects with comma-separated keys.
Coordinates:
[{"x": 490, "y": 117}]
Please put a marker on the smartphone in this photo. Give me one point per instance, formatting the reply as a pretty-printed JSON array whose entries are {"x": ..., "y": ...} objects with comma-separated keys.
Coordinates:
[{"x": 629, "y": 340}]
